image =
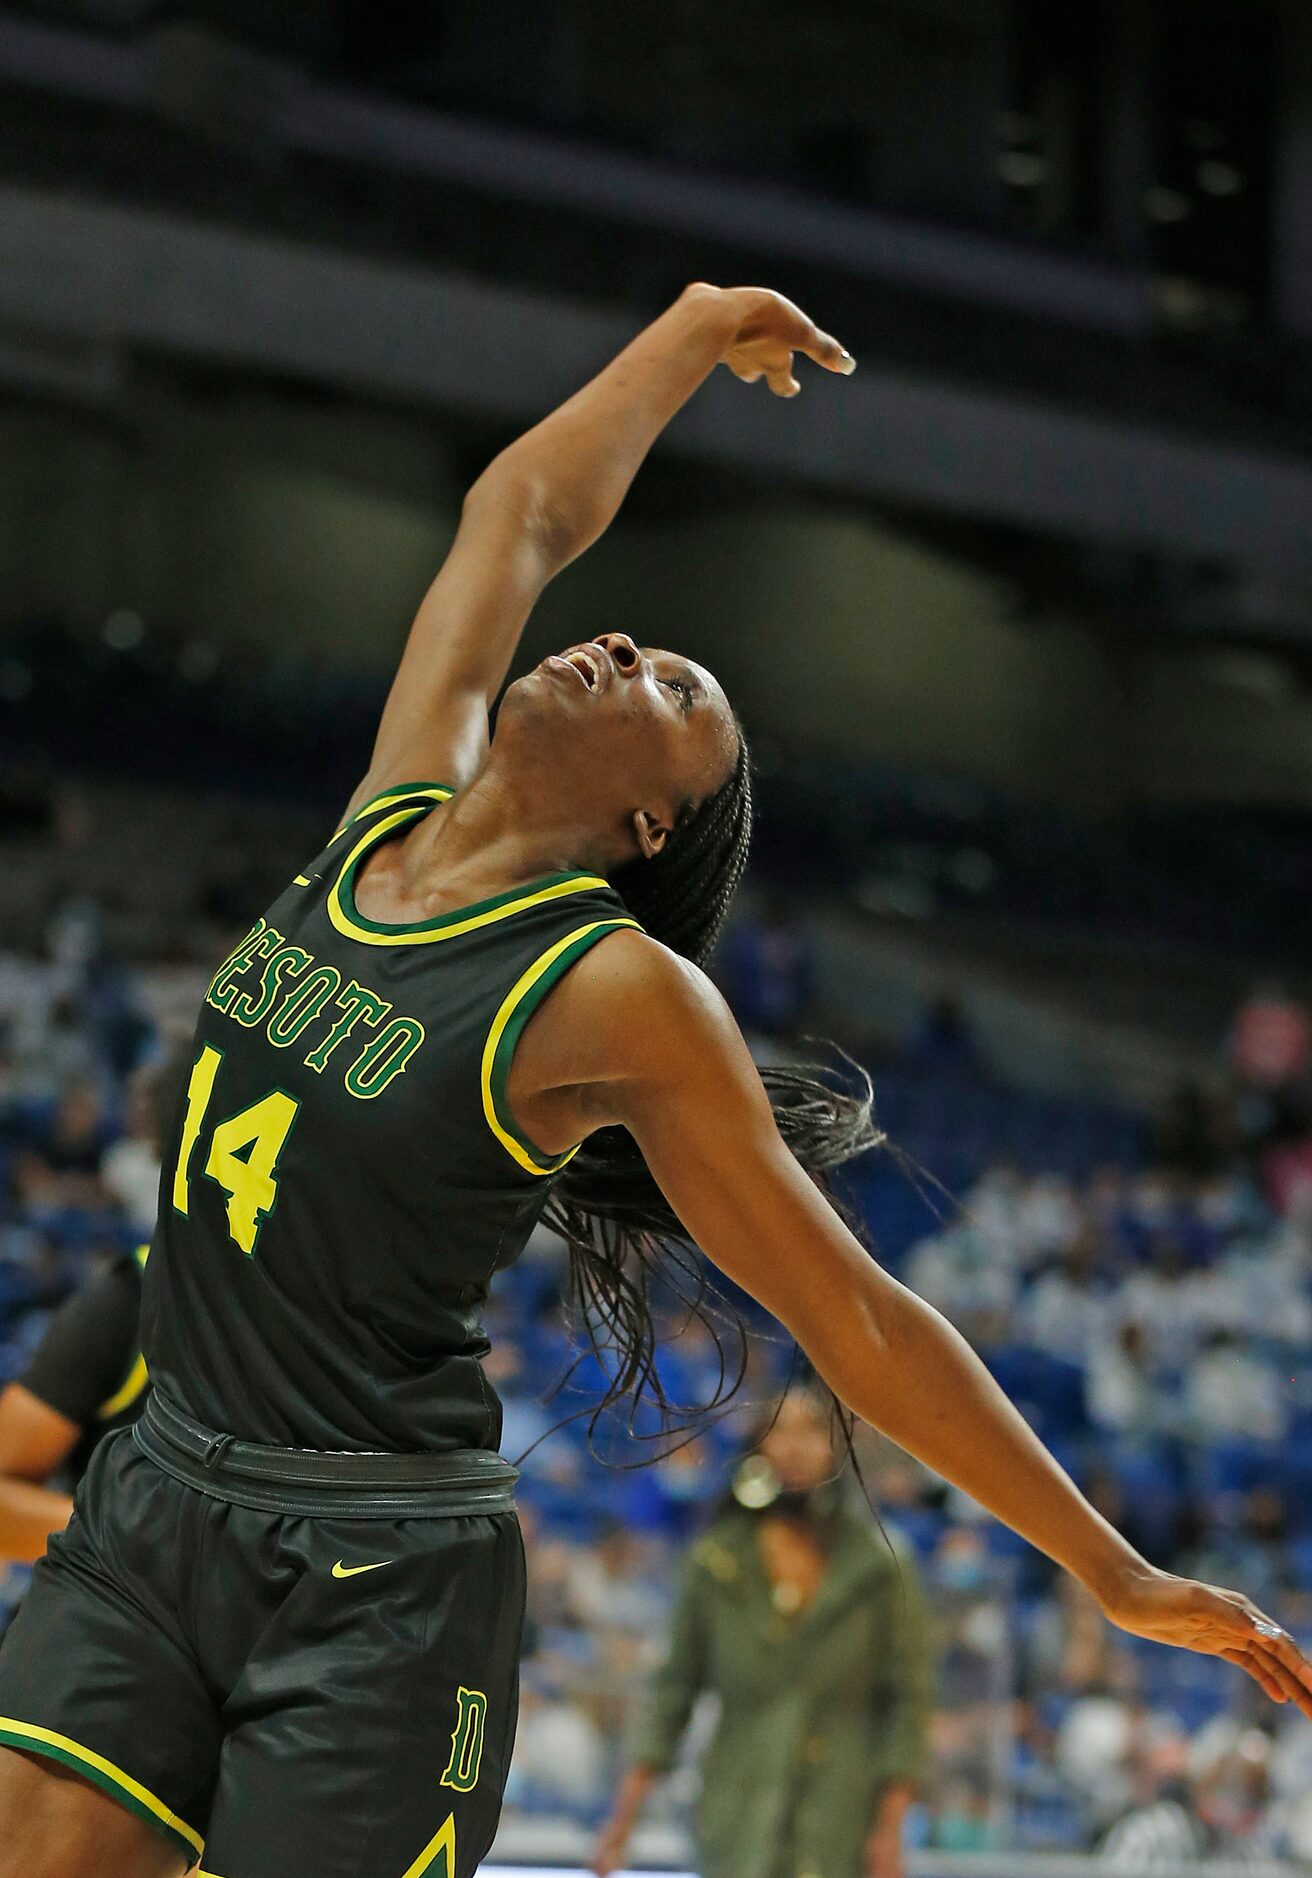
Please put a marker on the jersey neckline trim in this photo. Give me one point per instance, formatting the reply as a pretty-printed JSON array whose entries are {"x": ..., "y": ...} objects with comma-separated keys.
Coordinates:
[
  {"x": 353, "y": 924},
  {"x": 398, "y": 792}
]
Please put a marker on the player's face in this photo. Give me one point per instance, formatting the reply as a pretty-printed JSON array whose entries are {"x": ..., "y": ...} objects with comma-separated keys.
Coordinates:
[{"x": 634, "y": 728}]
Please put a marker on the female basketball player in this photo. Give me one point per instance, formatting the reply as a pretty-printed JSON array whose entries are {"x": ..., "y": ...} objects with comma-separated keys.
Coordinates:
[{"x": 282, "y": 1625}]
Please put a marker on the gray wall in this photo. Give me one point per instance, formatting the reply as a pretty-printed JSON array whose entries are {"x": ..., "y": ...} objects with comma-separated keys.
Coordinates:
[{"x": 312, "y": 529}]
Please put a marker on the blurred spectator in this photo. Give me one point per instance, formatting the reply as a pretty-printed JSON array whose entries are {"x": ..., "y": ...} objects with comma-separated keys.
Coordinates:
[
  {"x": 1172, "y": 1304},
  {"x": 1262, "y": 1284},
  {"x": 1271, "y": 1039},
  {"x": 1286, "y": 1159},
  {"x": 1196, "y": 1133},
  {"x": 62, "y": 1167},
  {"x": 811, "y": 1632},
  {"x": 1125, "y": 1391},
  {"x": 964, "y": 1272},
  {"x": 1230, "y": 1391},
  {"x": 607, "y": 1589},
  {"x": 962, "y": 1821},
  {"x": 1068, "y": 1312},
  {"x": 559, "y": 1753},
  {"x": 943, "y": 1041},
  {"x": 131, "y": 1165},
  {"x": 765, "y": 968}
]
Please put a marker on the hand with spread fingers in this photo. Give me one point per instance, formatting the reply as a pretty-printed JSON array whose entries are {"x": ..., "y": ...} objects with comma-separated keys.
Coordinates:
[
  {"x": 1214, "y": 1622},
  {"x": 770, "y": 331}
]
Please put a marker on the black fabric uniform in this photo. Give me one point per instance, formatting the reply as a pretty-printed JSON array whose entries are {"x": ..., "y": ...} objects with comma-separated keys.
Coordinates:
[
  {"x": 88, "y": 1366},
  {"x": 293, "y": 1672}
]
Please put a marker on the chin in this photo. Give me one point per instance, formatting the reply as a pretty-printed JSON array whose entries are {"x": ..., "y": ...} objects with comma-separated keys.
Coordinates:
[{"x": 532, "y": 699}]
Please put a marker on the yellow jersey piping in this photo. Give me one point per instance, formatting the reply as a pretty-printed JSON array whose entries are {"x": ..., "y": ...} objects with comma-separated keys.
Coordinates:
[{"x": 517, "y": 1007}]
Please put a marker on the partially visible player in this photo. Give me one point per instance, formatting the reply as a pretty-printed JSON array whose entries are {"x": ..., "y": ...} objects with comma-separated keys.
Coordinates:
[{"x": 87, "y": 1377}]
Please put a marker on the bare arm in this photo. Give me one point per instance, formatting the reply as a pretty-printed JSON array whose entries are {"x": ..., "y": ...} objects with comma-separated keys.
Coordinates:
[
  {"x": 548, "y": 497},
  {"x": 639, "y": 1037},
  {"x": 34, "y": 1440}
]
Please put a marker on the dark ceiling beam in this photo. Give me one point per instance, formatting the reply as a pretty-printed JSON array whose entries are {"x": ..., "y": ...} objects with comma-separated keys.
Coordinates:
[{"x": 107, "y": 274}]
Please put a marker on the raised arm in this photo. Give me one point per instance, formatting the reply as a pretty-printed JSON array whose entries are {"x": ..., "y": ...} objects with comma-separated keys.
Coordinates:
[
  {"x": 636, "y": 1036},
  {"x": 548, "y": 497}
]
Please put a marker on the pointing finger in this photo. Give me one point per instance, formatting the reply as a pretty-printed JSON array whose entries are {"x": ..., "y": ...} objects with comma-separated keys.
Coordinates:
[{"x": 826, "y": 351}]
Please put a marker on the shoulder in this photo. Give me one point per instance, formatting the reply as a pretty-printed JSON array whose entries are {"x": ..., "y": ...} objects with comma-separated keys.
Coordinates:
[
  {"x": 662, "y": 1004},
  {"x": 634, "y": 1023}
]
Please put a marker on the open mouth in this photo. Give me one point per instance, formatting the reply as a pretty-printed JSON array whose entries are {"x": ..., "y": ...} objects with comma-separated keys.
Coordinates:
[{"x": 587, "y": 667}]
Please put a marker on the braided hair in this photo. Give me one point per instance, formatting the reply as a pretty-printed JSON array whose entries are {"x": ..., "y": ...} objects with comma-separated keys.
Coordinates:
[{"x": 627, "y": 1248}]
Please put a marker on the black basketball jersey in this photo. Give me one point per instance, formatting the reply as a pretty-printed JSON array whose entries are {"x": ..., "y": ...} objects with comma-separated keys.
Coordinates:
[
  {"x": 88, "y": 1366},
  {"x": 345, "y": 1176}
]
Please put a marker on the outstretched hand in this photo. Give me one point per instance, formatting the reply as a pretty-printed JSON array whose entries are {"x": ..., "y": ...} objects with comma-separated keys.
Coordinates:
[
  {"x": 1194, "y": 1616},
  {"x": 770, "y": 330}
]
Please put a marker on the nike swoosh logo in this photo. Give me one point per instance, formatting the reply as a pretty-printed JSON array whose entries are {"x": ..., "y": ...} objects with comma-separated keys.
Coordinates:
[{"x": 349, "y": 1571}]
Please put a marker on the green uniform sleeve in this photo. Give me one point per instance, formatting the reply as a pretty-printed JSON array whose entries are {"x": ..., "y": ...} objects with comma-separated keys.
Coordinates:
[
  {"x": 908, "y": 1693},
  {"x": 675, "y": 1686}
]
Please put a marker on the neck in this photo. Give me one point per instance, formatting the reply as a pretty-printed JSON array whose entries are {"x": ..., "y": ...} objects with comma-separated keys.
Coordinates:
[{"x": 498, "y": 833}]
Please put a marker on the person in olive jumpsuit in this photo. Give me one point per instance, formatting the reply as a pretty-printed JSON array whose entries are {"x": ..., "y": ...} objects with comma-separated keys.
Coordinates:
[{"x": 811, "y": 1629}]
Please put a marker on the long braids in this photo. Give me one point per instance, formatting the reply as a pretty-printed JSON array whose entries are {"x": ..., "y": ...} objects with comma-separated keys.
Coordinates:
[{"x": 627, "y": 1247}]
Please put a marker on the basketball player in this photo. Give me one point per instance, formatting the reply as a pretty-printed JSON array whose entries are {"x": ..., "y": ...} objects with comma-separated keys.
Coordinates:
[
  {"x": 280, "y": 1633},
  {"x": 86, "y": 1379}
]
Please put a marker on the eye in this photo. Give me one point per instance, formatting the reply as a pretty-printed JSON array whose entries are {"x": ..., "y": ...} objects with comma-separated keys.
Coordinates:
[{"x": 683, "y": 691}]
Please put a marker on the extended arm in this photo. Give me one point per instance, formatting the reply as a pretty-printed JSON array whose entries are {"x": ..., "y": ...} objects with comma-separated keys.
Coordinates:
[
  {"x": 638, "y": 1037},
  {"x": 548, "y": 497},
  {"x": 34, "y": 1440}
]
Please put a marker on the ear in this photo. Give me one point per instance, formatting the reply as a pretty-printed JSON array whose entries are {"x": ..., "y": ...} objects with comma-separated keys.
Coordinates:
[{"x": 652, "y": 833}]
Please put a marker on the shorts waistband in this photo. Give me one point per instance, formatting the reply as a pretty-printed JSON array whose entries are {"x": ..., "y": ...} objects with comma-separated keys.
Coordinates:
[{"x": 314, "y": 1482}]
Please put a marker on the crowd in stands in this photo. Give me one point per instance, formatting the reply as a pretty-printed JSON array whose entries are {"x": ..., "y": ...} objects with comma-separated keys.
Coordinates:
[{"x": 1150, "y": 1309}]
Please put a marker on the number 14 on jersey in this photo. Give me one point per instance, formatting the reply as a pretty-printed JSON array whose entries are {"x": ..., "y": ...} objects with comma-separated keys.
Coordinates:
[{"x": 243, "y": 1151}]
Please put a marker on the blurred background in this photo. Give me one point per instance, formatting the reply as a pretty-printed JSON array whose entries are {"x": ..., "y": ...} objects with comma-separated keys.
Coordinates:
[{"x": 1020, "y": 624}]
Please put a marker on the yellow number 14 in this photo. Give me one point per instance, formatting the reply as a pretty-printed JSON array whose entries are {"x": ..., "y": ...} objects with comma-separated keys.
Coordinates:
[{"x": 244, "y": 1150}]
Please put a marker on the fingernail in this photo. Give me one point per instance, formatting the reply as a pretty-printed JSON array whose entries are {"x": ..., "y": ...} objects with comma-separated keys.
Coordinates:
[{"x": 848, "y": 366}]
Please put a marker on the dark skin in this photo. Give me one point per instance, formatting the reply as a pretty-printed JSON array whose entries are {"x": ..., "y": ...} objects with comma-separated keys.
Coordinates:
[{"x": 585, "y": 776}]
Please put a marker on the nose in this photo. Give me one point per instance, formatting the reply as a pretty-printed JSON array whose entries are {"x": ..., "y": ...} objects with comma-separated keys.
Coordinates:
[{"x": 628, "y": 659}]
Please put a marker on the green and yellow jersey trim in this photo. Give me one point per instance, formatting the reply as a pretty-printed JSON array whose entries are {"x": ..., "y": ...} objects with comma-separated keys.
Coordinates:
[
  {"x": 110, "y": 1779},
  {"x": 518, "y": 1006},
  {"x": 396, "y": 792},
  {"x": 443, "y": 1844},
  {"x": 136, "y": 1379},
  {"x": 123, "y": 1397},
  {"x": 352, "y": 924}
]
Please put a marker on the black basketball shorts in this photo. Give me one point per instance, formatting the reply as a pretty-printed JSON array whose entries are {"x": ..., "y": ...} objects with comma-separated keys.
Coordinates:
[{"x": 279, "y": 1694}]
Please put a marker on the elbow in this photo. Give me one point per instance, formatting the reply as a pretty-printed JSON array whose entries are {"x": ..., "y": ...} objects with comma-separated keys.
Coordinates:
[
  {"x": 847, "y": 1344},
  {"x": 558, "y": 526}
]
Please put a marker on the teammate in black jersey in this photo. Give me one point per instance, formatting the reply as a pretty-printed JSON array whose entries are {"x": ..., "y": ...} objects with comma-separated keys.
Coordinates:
[
  {"x": 86, "y": 1378},
  {"x": 283, "y": 1623}
]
